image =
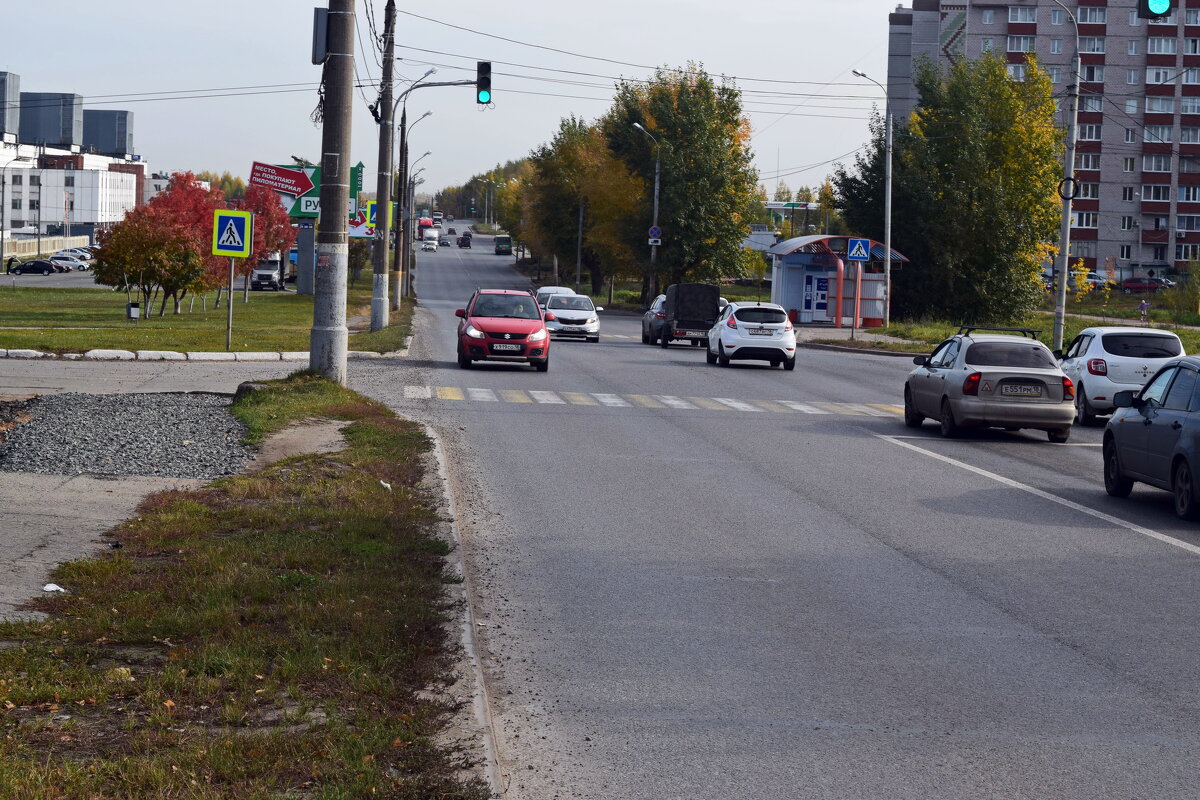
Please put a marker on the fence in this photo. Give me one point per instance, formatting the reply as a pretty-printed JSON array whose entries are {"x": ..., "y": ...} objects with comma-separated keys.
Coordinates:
[{"x": 24, "y": 248}]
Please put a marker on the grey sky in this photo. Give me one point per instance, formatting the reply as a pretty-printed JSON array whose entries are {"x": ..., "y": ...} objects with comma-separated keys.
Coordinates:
[{"x": 112, "y": 52}]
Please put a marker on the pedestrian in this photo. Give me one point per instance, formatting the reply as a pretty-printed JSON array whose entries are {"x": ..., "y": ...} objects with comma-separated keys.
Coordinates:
[
  {"x": 1144, "y": 310},
  {"x": 8, "y": 265}
]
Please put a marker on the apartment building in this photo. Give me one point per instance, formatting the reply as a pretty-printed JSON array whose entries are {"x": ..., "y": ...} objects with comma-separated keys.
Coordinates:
[{"x": 1138, "y": 153}]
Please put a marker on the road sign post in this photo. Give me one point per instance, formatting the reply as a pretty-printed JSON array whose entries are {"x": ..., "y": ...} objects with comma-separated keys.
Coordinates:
[{"x": 233, "y": 236}]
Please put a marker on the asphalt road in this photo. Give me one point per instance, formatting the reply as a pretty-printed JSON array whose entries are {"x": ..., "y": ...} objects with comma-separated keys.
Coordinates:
[{"x": 696, "y": 582}]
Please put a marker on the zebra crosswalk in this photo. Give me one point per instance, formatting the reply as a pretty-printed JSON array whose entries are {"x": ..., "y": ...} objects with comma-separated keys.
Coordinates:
[{"x": 601, "y": 400}]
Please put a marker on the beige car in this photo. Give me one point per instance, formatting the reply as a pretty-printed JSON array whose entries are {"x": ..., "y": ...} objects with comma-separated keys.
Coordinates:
[{"x": 1003, "y": 379}]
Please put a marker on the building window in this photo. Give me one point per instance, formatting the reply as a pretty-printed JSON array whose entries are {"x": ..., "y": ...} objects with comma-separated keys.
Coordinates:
[
  {"x": 1091, "y": 102},
  {"x": 1189, "y": 105},
  {"x": 1169, "y": 19},
  {"x": 35, "y": 180},
  {"x": 1018, "y": 71},
  {"x": 1158, "y": 45},
  {"x": 988, "y": 16},
  {"x": 1134, "y": 19},
  {"x": 1186, "y": 252},
  {"x": 1158, "y": 133},
  {"x": 1156, "y": 192},
  {"x": 16, "y": 204},
  {"x": 1129, "y": 164},
  {"x": 1131, "y": 47},
  {"x": 1191, "y": 45},
  {"x": 1159, "y": 75},
  {"x": 1189, "y": 194},
  {"x": 68, "y": 180},
  {"x": 1189, "y": 135},
  {"x": 1092, "y": 14},
  {"x": 1083, "y": 248},
  {"x": 1130, "y": 135},
  {"x": 1127, "y": 193},
  {"x": 1133, "y": 76},
  {"x": 1089, "y": 132},
  {"x": 1085, "y": 219},
  {"x": 1131, "y": 106},
  {"x": 16, "y": 180},
  {"x": 1156, "y": 163},
  {"x": 1089, "y": 191},
  {"x": 1022, "y": 14},
  {"x": 1160, "y": 105},
  {"x": 34, "y": 205},
  {"x": 1055, "y": 74},
  {"x": 1158, "y": 223},
  {"x": 986, "y": 46},
  {"x": 1092, "y": 73},
  {"x": 1188, "y": 222},
  {"x": 1092, "y": 44},
  {"x": 1126, "y": 223},
  {"x": 1189, "y": 164},
  {"x": 71, "y": 205},
  {"x": 1191, "y": 16},
  {"x": 1158, "y": 252},
  {"x": 1056, "y": 45},
  {"x": 1126, "y": 252},
  {"x": 1191, "y": 75},
  {"x": 1087, "y": 161},
  {"x": 1020, "y": 44}
]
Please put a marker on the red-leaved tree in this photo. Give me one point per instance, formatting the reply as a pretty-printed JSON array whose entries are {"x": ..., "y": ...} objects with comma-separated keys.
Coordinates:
[{"x": 273, "y": 231}]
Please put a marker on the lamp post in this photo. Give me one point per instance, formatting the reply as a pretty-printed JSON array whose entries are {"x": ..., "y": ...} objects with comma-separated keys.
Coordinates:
[
  {"x": 4, "y": 202},
  {"x": 887, "y": 200},
  {"x": 654, "y": 222},
  {"x": 1066, "y": 191}
]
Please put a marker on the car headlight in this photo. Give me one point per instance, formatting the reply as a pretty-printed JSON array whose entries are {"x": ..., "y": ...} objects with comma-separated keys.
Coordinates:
[
  {"x": 537, "y": 336},
  {"x": 473, "y": 332},
  {"x": 591, "y": 321}
]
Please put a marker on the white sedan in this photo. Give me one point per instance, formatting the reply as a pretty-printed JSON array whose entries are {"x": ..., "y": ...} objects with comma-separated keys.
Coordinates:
[
  {"x": 752, "y": 331},
  {"x": 1105, "y": 360},
  {"x": 70, "y": 263}
]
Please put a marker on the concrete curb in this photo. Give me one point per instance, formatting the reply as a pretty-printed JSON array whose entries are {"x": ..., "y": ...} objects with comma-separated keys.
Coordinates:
[
  {"x": 172, "y": 355},
  {"x": 859, "y": 350}
]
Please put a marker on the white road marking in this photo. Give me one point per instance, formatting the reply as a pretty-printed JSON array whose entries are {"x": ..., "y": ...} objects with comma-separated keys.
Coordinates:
[
  {"x": 738, "y": 405},
  {"x": 485, "y": 395},
  {"x": 673, "y": 402},
  {"x": 417, "y": 393},
  {"x": 803, "y": 408},
  {"x": 874, "y": 412},
  {"x": 546, "y": 397},
  {"x": 1053, "y": 498},
  {"x": 612, "y": 400}
]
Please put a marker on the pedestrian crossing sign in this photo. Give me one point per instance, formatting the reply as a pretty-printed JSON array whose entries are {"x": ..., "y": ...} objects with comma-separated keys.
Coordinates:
[
  {"x": 233, "y": 232},
  {"x": 858, "y": 249}
]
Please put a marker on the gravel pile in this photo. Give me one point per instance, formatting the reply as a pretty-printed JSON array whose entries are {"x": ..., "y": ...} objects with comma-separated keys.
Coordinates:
[{"x": 171, "y": 435}]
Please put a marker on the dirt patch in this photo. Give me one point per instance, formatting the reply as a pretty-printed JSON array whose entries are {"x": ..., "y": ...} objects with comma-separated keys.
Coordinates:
[
  {"x": 14, "y": 409},
  {"x": 301, "y": 438}
]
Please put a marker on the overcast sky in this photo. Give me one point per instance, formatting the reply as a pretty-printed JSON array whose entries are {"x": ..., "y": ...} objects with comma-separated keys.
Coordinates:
[{"x": 133, "y": 54}]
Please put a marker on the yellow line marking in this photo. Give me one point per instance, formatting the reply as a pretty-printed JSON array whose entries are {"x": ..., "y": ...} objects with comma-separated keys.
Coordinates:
[
  {"x": 840, "y": 408},
  {"x": 645, "y": 401},
  {"x": 449, "y": 393},
  {"x": 515, "y": 396},
  {"x": 887, "y": 408},
  {"x": 579, "y": 398},
  {"x": 711, "y": 405},
  {"x": 771, "y": 405}
]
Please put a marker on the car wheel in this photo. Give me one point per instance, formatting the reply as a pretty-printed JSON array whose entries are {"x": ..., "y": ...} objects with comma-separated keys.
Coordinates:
[
  {"x": 645, "y": 337},
  {"x": 664, "y": 341},
  {"x": 543, "y": 365},
  {"x": 47, "y": 271},
  {"x": 1115, "y": 483},
  {"x": 1184, "y": 489},
  {"x": 1059, "y": 436},
  {"x": 912, "y": 418},
  {"x": 710, "y": 356},
  {"x": 950, "y": 428},
  {"x": 722, "y": 359},
  {"x": 1084, "y": 413},
  {"x": 464, "y": 360},
  {"x": 789, "y": 363}
]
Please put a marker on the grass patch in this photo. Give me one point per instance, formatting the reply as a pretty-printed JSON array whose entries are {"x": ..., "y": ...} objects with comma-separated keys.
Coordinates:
[
  {"x": 269, "y": 635},
  {"x": 77, "y": 320}
]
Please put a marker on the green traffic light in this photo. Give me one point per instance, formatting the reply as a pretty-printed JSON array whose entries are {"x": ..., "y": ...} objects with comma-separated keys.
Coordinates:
[
  {"x": 484, "y": 96},
  {"x": 1159, "y": 6}
]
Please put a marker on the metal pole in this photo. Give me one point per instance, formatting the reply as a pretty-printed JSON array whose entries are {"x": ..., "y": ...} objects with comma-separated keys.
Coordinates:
[
  {"x": 229, "y": 306},
  {"x": 402, "y": 196},
  {"x": 887, "y": 228},
  {"x": 1066, "y": 192},
  {"x": 329, "y": 337},
  {"x": 579, "y": 248},
  {"x": 383, "y": 184}
]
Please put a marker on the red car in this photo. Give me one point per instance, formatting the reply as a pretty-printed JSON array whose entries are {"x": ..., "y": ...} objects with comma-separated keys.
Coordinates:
[
  {"x": 503, "y": 325},
  {"x": 1131, "y": 285}
]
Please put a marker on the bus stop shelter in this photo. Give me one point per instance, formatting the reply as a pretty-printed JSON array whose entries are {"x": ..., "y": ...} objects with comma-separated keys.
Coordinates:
[{"x": 813, "y": 278}]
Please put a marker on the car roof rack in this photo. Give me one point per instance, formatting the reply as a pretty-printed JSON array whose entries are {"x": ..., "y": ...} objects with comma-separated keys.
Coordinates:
[{"x": 967, "y": 330}]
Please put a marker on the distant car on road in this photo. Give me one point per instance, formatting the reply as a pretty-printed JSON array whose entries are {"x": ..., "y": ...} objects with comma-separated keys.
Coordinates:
[
  {"x": 451, "y": 232},
  {"x": 1139, "y": 285},
  {"x": 1105, "y": 360},
  {"x": 429, "y": 246},
  {"x": 38, "y": 267},
  {"x": 544, "y": 293},
  {"x": 752, "y": 331},
  {"x": 464, "y": 241},
  {"x": 573, "y": 315},
  {"x": 503, "y": 325},
  {"x": 1154, "y": 437},
  {"x": 995, "y": 379}
]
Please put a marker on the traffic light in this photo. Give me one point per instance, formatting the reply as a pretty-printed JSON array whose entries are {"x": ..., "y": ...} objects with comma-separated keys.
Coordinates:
[
  {"x": 483, "y": 79},
  {"x": 1154, "y": 9}
]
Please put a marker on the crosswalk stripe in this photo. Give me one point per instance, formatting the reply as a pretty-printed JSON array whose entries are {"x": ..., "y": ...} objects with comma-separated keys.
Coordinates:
[
  {"x": 611, "y": 400},
  {"x": 866, "y": 409},
  {"x": 485, "y": 395},
  {"x": 803, "y": 408},
  {"x": 706, "y": 403},
  {"x": 546, "y": 397},
  {"x": 673, "y": 402},
  {"x": 515, "y": 396},
  {"x": 737, "y": 405},
  {"x": 840, "y": 408},
  {"x": 416, "y": 393},
  {"x": 449, "y": 393},
  {"x": 645, "y": 401},
  {"x": 579, "y": 399},
  {"x": 771, "y": 405},
  {"x": 887, "y": 408}
]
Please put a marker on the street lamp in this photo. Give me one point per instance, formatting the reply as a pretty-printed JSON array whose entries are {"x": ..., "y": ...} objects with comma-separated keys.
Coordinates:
[
  {"x": 4, "y": 202},
  {"x": 654, "y": 223},
  {"x": 887, "y": 201}
]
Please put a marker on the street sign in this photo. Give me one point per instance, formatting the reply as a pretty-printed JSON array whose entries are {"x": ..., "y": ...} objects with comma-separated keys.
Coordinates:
[
  {"x": 655, "y": 232},
  {"x": 309, "y": 203},
  {"x": 233, "y": 232},
  {"x": 858, "y": 249},
  {"x": 797, "y": 206},
  {"x": 288, "y": 180},
  {"x": 655, "y": 242}
]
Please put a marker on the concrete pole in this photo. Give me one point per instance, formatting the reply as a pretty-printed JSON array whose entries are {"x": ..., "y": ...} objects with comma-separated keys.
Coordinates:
[
  {"x": 329, "y": 337},
  {"x": 1066, "y": 191},
  {"x": 579, "y": 248},
  {"x": 383, "y": 185},
  {"x": 402, "y": 196},
  {"x": 887, "y": 227}
]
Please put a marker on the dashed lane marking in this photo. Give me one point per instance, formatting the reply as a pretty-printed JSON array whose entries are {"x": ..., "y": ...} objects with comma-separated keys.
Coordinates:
[
  {"x": 483, "y": 395},
  {"x": 803, "y": 408},
  {"x": 737, "y": 405},
  {"x": 645, "y": 401},
  {"x": 579, "y": 399},
  {"x": 674, "y": 402},
  {"x": 546, "y": 397}
]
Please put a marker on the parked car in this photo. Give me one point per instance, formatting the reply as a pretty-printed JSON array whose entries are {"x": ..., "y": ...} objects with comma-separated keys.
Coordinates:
[
  {"x": 1105, "y": 360},
  {"x": 995, "y": 379},
  {"x": 69, "y": 263},
  {"x": 38, "y": 267},
  {"x": 545, "y": 292},
  {"x": 503, "y": 325},
  {"x": 77, "y": 253},
  {"x": 752, "y": 332},
  {"x": 1138, "y": 285},
  {"x": 464, "y": 241},
  {"x": 1154, "y": 434},
  {"x": 267, "y": 275},
  {"x": 574, "y": 315}
]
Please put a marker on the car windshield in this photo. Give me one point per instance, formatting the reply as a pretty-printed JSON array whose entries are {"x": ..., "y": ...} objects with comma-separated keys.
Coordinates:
[
  {"x": 1140, "y": 345},
  {"x": 569, "y": 303},
  {"x": 505, "y": 305},
  {"x": 760, "y": 315},
  {"x": 1005, "y": 354}
]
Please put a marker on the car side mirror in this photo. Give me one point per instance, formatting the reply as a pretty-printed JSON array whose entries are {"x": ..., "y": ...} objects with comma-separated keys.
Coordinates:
[
  {"x": 599, "y": 308},
  {"x": 1124, "y": 399},
  {"x": 460, "y": 312},
  {"x": 920, "y": 361},
  {"x": 550, "y": 316},
  {"x": 1057, "y": 354}
]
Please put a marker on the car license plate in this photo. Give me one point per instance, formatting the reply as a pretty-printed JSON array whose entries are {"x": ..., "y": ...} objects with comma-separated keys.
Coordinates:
[
  {"x": 506, "y": 347},
  {"x": 759, "y": 331},
  {"x": 1021, "y": 390},
  {"x": 571, "y": 328},
  {"x": 691, "y": 333}
]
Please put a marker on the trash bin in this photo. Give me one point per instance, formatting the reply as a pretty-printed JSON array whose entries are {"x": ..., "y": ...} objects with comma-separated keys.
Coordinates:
[{"x": 133, "y": 310}]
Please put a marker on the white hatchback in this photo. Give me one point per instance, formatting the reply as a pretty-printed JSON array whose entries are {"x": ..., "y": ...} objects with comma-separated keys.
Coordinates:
[
  {"x": 752, "y": 332},
  {"x": 1105, "y": 360}
]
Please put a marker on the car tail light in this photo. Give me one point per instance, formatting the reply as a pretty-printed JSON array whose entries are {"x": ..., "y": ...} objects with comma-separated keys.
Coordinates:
[
  {"x": 971, "y": 384},
  {"x": 1097, "y": 366},
  {"x": 659, "y": 315},
  {"x": 732, "y": 322},
  {"x": 1069, "y": 388},
  {"x": 787, "y": 324}
]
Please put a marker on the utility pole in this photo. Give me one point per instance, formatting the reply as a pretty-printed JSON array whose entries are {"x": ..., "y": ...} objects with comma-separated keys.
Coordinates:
[
  {"x": 402, "y": 247},
  {"x": 329, "y": 337},
  {"x": 1066, "y": 191},
  {"x": 579, "y": 247},
  {"x": 383, "y": 186}
]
